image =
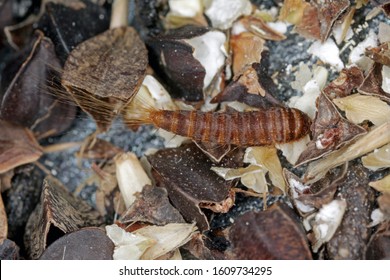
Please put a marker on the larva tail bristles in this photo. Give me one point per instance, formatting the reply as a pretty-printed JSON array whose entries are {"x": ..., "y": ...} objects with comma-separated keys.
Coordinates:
[{"x": 141, "y": 109}]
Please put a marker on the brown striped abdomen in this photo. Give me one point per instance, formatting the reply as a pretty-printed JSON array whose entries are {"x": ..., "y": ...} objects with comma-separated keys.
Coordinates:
[{"x": 254, "y": 128}]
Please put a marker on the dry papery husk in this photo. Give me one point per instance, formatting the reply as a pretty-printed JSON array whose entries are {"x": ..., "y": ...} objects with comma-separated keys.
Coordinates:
[
  {"x": 313, "y": 20},
  {"x": 30, "y": 100},
  {"x": 310, "y": 82},
  {"x": 378, "y": 159},
  {"x": 262, "y": 160},
  {"x": 58, "y": 211},
  {"x": 202, "y": 49},
  {"x": 109, "y": 200},
  {"x": 247, "y": 49},
  {"x": 296, "y": 188},
  {"x": 359, "y": 108},
  {"x": 291, "y": 151},
  {"x": 191, "y": 185},
  {"x": 252, "y": 177},
  {"x": 152, "y": 206},
  {"x": 350, "y": 239},
  {"x": 326, "y": 222},
  {"x": 376, "y": 138},
  {"x": 18, "y": 146},
  {"x": 90, "y": 243},
  {"x": 222, "y": 13},
  {"x": 373, "y": 83},
  {"x": 184, "y": 13},
  {"x": 309, "y": 198},
  {"x": 330, "y": 131},
  {"x": 349, "y": 79},
  {"x": 382, "y": 185},
  {"x": 149, "y": 242},
  {"x": 131, "y": 176},
  {"x": 260, "y": 28},
  {"x": 123, "y": 69},
  {"x": 268, "y": 158},
  {"x": 274, "y": 234}
]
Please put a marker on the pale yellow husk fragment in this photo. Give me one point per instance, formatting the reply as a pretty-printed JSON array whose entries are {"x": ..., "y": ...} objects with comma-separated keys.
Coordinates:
[
  {"x": 267, "y": 157},
  {"x": 378, "y": 159},
  {"x": 167, "y": 238},
  {"x": 376, "y": 138},
  {"x": 359, "y": 108},
  {"x": 131, "y": 176},
  {"x": 382, "y": 185},
  {"x": 128, "y": 246}
]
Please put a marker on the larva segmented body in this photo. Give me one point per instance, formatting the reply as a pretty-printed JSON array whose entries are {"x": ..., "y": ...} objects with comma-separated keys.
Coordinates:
[{"x": 254, "y": 128}]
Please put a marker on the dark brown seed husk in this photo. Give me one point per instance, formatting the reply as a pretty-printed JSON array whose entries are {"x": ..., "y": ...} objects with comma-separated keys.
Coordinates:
[
  {"x": 59, "y": 212},
  {"x": 6, "y": 18},
  {"x": 350, "y": 239},
  {"x": 372, "y": 84},
  {"x": 85, "y": 244},
  {"x": 152, "y": 206},
  {"x": 22, "y": 198},
  {"x": 197, "y": 248},
  {"x": 9, "y": 250},
  {"x": 215, "y": 152},
  {"x": 239, "y": 91},
  {"x": 30, "y": 97},
  {"x": 274, "y": 234},
  {"x": 175, "y": 63},
  {"x": 185, "y": 173},
  {"x": 330, "y": 131},
  {"x": 318, "y": 194},
  {"x": 348, "y": 80},
  {"x": 65, "y": 24},
  {"x": 104, "y": 73},
  {"x": 327, "y": 189},
  {"x": 379, "y": 246}
]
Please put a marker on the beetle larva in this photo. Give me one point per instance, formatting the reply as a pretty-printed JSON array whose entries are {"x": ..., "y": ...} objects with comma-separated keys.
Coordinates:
[{"x": 254, "y": 128}]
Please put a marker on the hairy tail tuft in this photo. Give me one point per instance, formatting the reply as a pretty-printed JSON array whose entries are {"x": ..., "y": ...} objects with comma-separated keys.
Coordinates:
[{"x": 141, "y": 109}]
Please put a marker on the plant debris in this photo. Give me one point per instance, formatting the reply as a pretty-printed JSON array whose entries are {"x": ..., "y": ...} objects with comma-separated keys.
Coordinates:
[
  {"x": 9, "y": 250},
  {"x": 195, "y": 45},
  {"x": 171, "y": 130},
  {"x": 125, "y": 74},
  {"x": 26, "y": 102},
  {"x": 266, "y": 240},
  {"x": 57, "y": 212},
  {"x": 85, "y": 244},
  {"x": 351, "y": 237},
  {"x": 186, "y": 184},
  {"x": 18, "y": 146},
  {"x": 330, "y": 131},
  {"x": 149, "y": 242},
  {"x": 152, "y": 206}
]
